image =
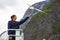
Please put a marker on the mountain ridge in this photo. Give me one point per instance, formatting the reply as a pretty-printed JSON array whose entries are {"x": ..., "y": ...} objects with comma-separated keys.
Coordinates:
[{"x": 45, "y": 25}]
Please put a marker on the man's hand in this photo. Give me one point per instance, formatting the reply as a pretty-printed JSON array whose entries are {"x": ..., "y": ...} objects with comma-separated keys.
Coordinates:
[{"x": 30, "y": 14}]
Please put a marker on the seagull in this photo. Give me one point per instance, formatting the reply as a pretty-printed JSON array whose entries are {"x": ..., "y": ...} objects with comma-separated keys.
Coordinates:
[{"x": 33, "y": 8}]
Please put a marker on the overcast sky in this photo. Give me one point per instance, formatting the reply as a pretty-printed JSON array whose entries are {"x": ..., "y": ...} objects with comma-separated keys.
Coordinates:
[{"x": 10, "y": 7}]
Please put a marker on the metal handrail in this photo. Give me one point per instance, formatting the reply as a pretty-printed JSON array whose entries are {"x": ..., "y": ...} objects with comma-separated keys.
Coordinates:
[
  {"x": 14, "y": 35},
  {"x": 2, "y": 33},
  {"x": 11, "y": 29},
  {"x": 15, "y": 29}
]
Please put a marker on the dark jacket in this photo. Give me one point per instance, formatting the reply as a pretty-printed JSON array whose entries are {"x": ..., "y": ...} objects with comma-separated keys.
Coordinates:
[{"x": 15, "y": 25}]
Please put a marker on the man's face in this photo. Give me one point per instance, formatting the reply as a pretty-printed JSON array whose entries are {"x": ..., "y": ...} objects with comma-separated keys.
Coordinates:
[{"x": 14, "y": 18}]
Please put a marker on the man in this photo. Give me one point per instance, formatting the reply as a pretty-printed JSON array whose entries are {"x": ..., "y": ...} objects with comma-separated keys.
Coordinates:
[{"x": 13, "y": 24}]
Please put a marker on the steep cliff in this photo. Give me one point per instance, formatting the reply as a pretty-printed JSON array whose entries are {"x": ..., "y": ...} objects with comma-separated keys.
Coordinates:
[{"x": 45, "y": 24}]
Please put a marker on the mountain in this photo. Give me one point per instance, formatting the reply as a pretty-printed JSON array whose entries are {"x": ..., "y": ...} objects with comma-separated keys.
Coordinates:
[
  {"x": 45, "y": 25},
  {"x": 39, "y": 6}
]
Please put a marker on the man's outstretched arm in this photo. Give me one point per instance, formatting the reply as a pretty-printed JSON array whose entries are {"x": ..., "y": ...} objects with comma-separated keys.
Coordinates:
[{"x": 22, "y": 21}]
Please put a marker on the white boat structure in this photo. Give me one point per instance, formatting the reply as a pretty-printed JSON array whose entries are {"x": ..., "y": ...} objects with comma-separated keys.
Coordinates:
[{"x": 19, "y": 35}]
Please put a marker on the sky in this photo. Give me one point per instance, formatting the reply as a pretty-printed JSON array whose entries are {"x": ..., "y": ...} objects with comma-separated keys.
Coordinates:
[{"x": 10, "y": 7}]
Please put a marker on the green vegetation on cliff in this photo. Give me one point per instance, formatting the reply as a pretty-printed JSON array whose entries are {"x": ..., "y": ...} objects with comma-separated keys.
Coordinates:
[
  {"x": 45, "y": 24},
  {"x": 45, "y": 10}
]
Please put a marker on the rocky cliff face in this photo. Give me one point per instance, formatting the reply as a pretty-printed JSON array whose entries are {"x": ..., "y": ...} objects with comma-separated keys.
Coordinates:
[{"x": 45, "y": 24}]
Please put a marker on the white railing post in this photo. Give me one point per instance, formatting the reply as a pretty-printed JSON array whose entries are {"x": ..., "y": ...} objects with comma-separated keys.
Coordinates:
[{"x": 19, "y": 34}]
